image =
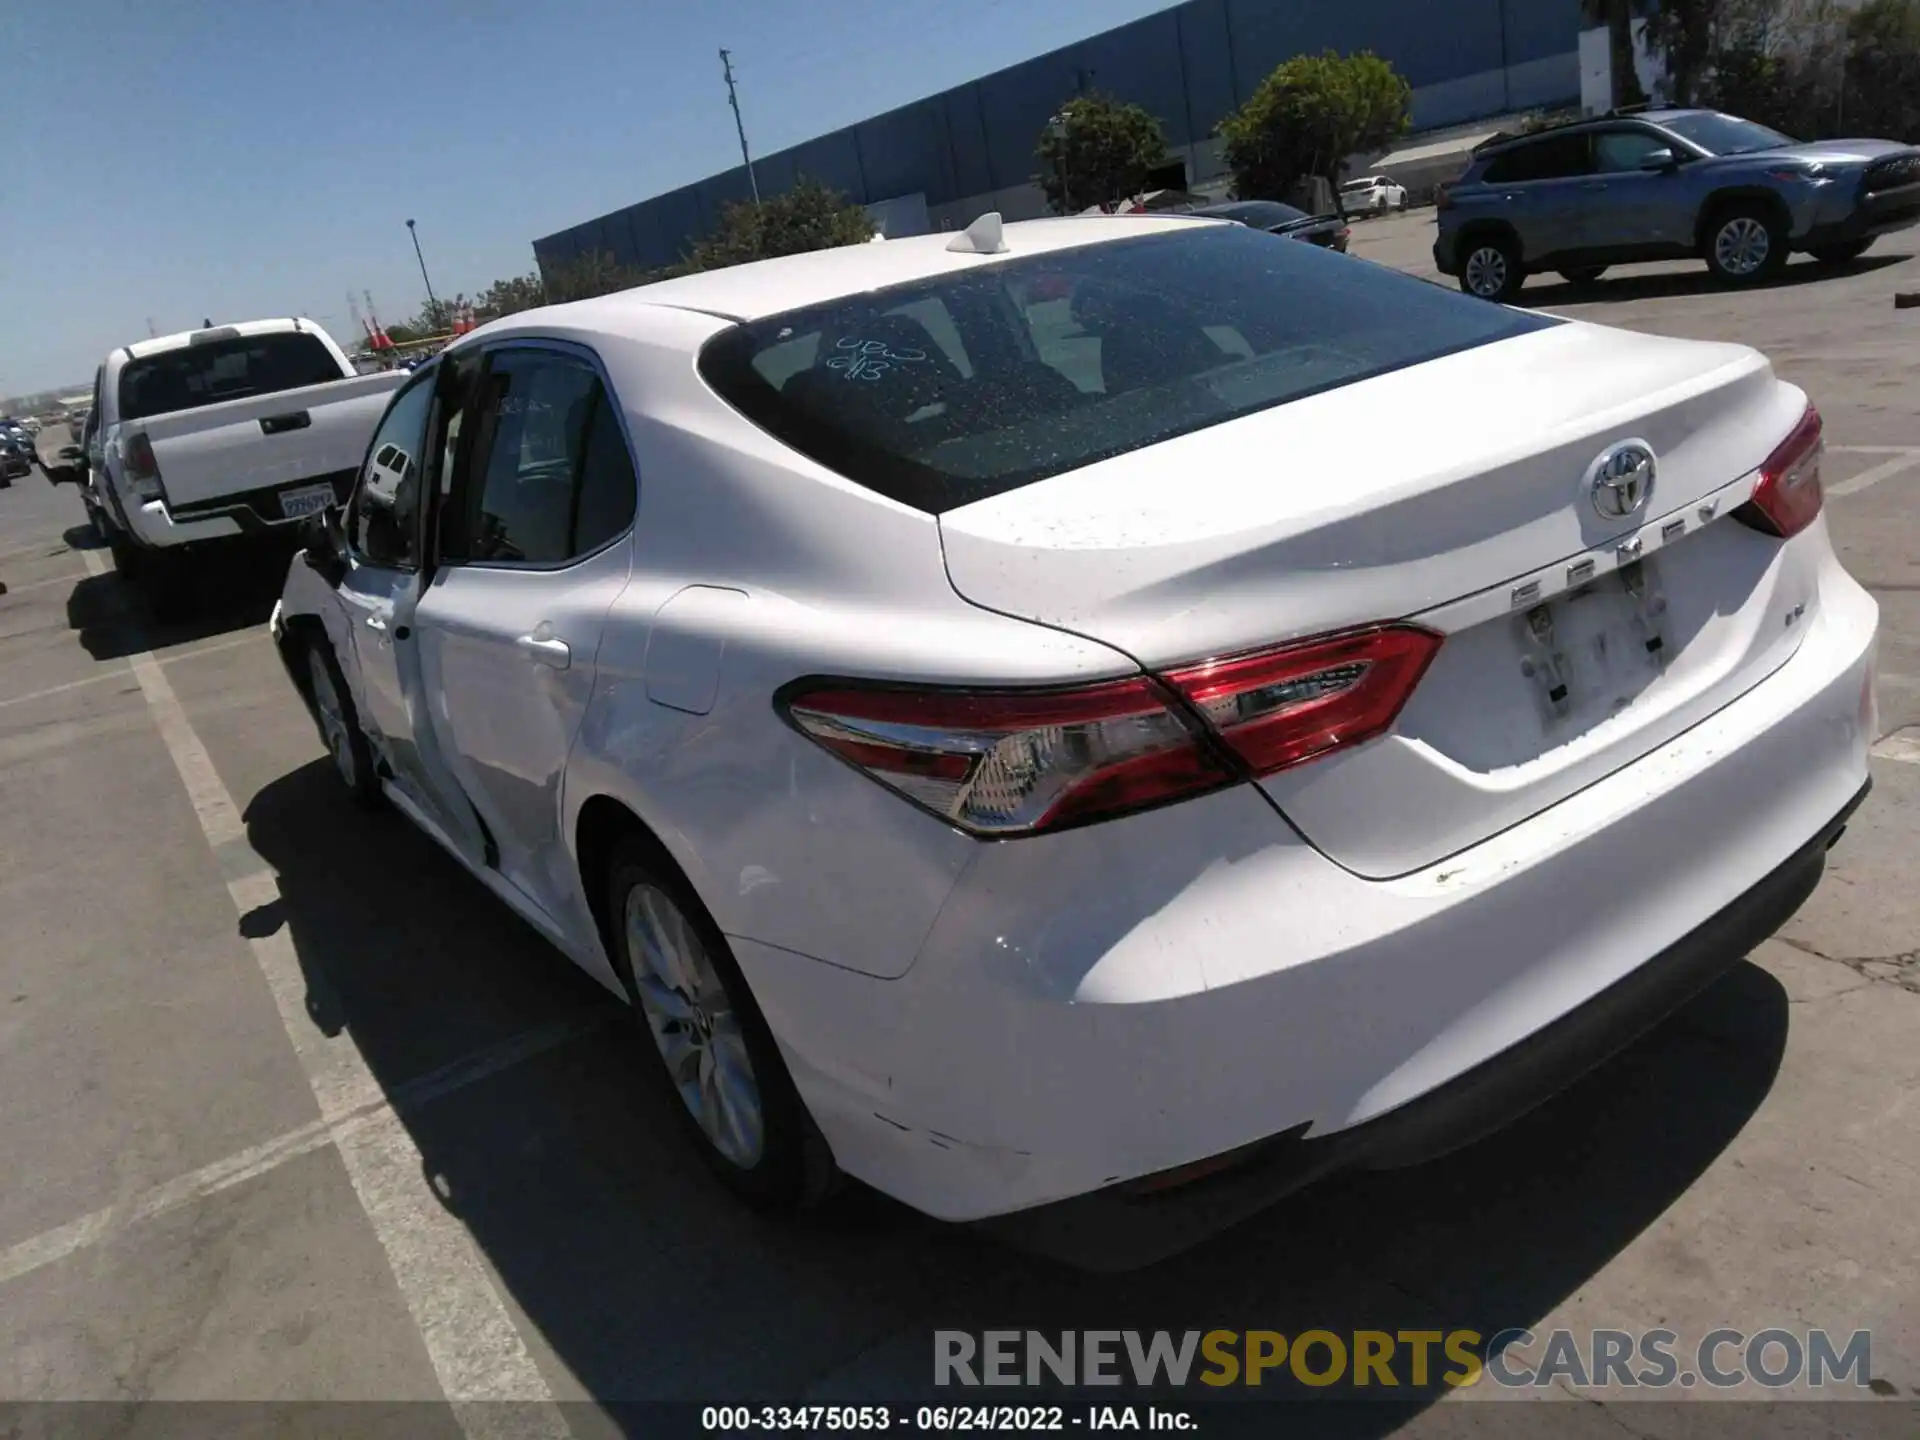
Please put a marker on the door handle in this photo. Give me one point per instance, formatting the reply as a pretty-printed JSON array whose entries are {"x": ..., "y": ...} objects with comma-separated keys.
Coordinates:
[
  {"x": 374, "y": 622},
  {"x": 556, "y": 653},
  {"x": 280, "y": 424}
]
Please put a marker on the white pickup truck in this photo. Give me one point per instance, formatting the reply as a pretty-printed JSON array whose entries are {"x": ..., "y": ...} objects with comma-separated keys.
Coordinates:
[{"x": 222, "y": 438}]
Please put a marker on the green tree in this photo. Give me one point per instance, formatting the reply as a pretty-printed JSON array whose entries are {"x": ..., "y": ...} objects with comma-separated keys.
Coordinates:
[
  {"x": 1881, "y": 95},
  {"x": 510, "y": 296},
  {"x": 1308, "y": 116},
  {"x": 1097, "y": 151},
  {"x": 1681, "y": 33},
  {"x": 810, "y": 216},
  {"x": 585, "y": 276}
]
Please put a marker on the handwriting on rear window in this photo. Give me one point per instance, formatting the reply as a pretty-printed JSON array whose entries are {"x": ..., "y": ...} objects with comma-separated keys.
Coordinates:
[{"x": 869, "y": 359}]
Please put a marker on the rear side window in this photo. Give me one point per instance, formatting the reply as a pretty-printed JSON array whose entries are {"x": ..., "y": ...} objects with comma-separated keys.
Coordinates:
[
  {"x": 1554, "y": 158},
  {"x": 1076, "y": 356},
  {"x": 216, "y": 370},
  {"x": 550, "y": 477}
]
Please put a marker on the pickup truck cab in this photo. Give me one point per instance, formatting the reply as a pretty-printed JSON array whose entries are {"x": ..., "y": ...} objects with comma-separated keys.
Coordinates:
[{"x": 221, "y": 439}]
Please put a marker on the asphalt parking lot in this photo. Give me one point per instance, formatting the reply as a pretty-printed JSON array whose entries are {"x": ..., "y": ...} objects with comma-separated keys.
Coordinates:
[{"x": 294, "y": 1110}]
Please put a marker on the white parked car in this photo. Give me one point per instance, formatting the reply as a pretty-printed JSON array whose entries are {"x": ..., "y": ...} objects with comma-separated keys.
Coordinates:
[
  {"x": 1372, "y": 195},
  {"x": 968, "y": 697}
]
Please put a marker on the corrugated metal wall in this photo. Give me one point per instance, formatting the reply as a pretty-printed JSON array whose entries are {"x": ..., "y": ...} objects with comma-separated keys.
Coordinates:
[{"x": 970, "y": 149}]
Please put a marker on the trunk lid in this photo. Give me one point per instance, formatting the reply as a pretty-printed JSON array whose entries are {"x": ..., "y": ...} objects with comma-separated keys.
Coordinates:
[
  {"x": 275, "y": 441},
  {"x": 1477, "y": 486}
]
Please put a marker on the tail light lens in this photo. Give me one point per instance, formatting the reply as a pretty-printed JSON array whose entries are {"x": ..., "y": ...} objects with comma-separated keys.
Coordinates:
[
  {"x": 141, "y": 469},
  {"x": 1283, "y": 707},
  {"x": 1003, "y": 763},
  {"x": 1789, "y": 495}
]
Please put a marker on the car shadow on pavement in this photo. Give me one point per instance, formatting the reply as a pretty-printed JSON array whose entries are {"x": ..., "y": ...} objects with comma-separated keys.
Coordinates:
[
  {"x": 1545, "y": 292},
  {"x": 644, "y": 1280},
  {"x": 113, "y": 621}
]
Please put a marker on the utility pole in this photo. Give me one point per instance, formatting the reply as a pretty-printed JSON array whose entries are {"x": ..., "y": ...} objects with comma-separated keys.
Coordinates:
[
  {"x": 152, "y": 334},
  {"x": 733, "y": 99},
  {"x": 433, "y": 305}
]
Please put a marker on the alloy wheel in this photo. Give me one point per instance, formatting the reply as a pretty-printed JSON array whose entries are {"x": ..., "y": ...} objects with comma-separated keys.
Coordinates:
[
  {"x": 1742, "y": 246},
  {"x": 1487, "y": 271},
  {"x": 694, "y": 1025},
  {"x": 333, "y": 718}
]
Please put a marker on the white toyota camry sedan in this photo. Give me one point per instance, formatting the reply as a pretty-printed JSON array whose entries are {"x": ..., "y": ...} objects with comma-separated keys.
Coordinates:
[{"x": 966, "y": 697}]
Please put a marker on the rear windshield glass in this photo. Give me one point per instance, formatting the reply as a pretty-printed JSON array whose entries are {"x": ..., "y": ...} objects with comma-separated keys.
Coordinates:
[
  {"x": 217, "y": 370},
  {"x": 1261, "y": 214},
  {"x": 969, "y": 385}
]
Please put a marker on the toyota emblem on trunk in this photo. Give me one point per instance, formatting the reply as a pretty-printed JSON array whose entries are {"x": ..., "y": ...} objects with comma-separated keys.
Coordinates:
[{"x": 1622, "y": 480}]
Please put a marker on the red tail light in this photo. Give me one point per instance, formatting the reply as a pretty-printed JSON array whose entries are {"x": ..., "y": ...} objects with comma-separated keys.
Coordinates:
[
  {"x": 1789, "y": 495},
  {"x": 1282, "y": 707},
  {"x": 140, "y": 462},
  {"x": 1002, "y": 763}
]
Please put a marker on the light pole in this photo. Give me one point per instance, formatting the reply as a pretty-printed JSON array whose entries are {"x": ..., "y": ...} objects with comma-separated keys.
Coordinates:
[
  {"x": 1062, "y": 131},
  {"x": 432, "y": 304}
]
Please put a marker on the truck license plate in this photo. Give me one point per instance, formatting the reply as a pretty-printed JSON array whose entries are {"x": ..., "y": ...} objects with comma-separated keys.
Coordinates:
[{"x": 305, "y": 500}]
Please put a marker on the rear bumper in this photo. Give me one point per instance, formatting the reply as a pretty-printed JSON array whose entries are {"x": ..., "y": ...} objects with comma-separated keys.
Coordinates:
[
  {"x": 1125, "y": 999},
  {"x": 152, "y": 525},
  {"x": 246, "y": 518},
  {"x": 1121, "y": 1228}
]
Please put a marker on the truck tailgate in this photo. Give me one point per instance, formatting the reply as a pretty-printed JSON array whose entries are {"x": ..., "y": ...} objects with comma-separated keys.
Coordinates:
[{"x": 267, "y": 441}]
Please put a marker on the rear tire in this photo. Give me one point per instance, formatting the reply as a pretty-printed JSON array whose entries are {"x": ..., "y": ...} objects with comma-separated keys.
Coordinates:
[
  {"x": 1841, "y": 254},
  {"x": 1583, "y": 274},
  {"x": 704, "y": 1040},
  {"x": 1746, "y": 244},
  {"x": 1491, "y": 269}
]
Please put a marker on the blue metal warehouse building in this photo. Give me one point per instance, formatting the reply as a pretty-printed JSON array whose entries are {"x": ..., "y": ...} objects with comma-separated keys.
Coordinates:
[{"x": 940, "y": 162}]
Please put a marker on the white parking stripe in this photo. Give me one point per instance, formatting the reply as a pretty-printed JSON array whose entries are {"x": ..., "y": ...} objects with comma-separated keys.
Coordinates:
[
  {"x": 118, "y": 673},
  {"x": 477, "y": 1353},
  {"x": 1885, "y": 470},
  {"x": 56, "y": 1244},
  {"x": 42, "y": 584},
  {"x": 1903, "y": 745}
]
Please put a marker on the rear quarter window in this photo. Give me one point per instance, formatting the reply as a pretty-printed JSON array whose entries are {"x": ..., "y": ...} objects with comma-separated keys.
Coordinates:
[{"x": 951, "y": 390}]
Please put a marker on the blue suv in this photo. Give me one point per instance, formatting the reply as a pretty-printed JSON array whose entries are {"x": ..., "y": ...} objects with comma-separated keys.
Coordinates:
[{"x": 1667, "y": 185}]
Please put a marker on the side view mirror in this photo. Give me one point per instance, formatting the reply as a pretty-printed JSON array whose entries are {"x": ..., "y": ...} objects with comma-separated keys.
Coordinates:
[
  {"x": 1662, "y": 160},
  {"x": 325, "y": 546}
]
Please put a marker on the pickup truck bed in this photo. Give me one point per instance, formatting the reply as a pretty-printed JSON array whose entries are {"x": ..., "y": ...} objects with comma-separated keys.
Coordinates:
[{"x": 246, "y": 453}]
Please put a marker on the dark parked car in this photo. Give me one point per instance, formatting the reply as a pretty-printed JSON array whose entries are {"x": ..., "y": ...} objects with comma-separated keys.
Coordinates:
[
  {"x": 16, "y": 458},
  {"x": 1667, "y": 185},
  {"x": 1277, "y": 219}
]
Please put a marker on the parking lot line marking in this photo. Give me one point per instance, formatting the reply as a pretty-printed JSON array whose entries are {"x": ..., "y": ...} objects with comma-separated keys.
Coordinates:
[
  {"x": 1885, "y": 470},
  {"x": 223, "y": 1174},
  {"x": 476, "y": 1350},
  {"x": 1873, "y": 449},
  {"x": 42, "y": 584},
  {"x": 1902, "y": 745},
  {"x": 120, "y": 672}
]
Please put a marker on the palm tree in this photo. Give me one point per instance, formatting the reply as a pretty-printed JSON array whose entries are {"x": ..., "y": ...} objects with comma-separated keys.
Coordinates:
[{"x": 1617, "y": 16}]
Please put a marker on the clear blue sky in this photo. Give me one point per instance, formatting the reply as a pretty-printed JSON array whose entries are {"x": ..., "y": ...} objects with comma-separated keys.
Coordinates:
[{"x": 193, "y": 159}]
